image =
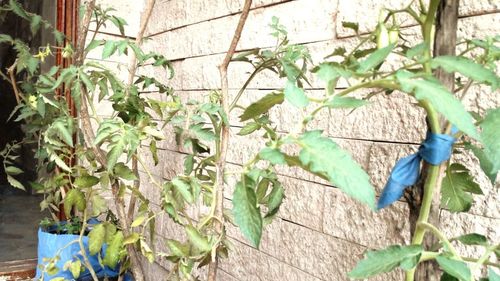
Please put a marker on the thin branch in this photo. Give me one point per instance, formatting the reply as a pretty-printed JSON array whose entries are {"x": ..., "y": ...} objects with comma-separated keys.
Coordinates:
[
  {"x": 89, "y": 135},
  {"x": 12, "y": 81},
  {"x": 218, "y": 194},
  {"x": 132, "y": 68}
]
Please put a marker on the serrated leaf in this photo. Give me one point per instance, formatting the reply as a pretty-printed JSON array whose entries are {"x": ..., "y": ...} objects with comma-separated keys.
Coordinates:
[
  {"x": 246, "y": 213},
  {"x": 74, "y": 198},
  {"x": 295, "y": 95},
  {"x": 124, "y": 172},
  {"x": 184, "y": 189},
  {"x": 491, "y": 135},
  {"x": 114, "y": 153},
  {"x": 374, "y": 59},
  {"x": 177, "y": 248},
  {"x": 455, "y": 187},
  {"x": 197, "y": 239},
  {"x": 202, "y": 133},
  {"x": 272, "y": 155},
  {"x": 484, "y": 162},
  {"x": 109, "y": 49},
  {"x": 99, "y": 205},
  {"x": 97, "y": 237},
  {"x": 381, "y": 261},
  {"x": 457, "y": 269},
  {"x": 262, "y": 106},
  {"x": 345, "y": 102},
  {"x": 86, "y": 181},
  {"x": 473, "y": 239},
  {"x": 467, "y": 68},
  {"x": 322, "y": 155},
  {"x": 275, "y": 199},
  {"x": 112, "y": 255},
  {"x": 441, "y": 99},
  {"x": 330, "y": 71},
  {"x": 18, "y": 9}
]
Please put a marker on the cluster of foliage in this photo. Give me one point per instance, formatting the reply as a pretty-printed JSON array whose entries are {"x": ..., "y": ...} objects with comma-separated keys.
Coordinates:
[{"x": 62, "y": 139}]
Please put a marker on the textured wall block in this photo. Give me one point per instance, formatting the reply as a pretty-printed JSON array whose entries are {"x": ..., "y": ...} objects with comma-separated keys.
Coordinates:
[
  {"x": 213, "y": 37},
  {"x": 347, "y": 219}
]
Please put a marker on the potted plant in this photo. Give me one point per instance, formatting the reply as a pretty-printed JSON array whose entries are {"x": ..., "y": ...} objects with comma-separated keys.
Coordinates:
[{"x": 75, "y": 172}]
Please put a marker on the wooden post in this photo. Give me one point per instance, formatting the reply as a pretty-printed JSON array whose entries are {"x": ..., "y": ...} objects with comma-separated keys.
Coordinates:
[{"x": 444, "y": 44}]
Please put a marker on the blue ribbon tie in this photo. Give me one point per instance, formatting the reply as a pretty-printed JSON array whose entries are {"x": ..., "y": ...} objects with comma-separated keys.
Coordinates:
[{"x": 435, "y": 149}]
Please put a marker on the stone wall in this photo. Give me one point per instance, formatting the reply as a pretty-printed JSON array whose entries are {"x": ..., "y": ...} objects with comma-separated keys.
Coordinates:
[{"x": 320, "y": 233}]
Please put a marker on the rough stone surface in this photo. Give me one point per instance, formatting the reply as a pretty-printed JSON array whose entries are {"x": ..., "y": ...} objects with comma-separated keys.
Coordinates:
[{"x": 319, "y": 233}]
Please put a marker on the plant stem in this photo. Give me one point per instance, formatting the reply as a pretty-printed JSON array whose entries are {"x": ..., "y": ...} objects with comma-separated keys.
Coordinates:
[
  {"x": 132, "y": 68},
  {"x": 434, "y": 172},
  {"x": 218, "y": 194},
  {"x": 440, "y": 236}
]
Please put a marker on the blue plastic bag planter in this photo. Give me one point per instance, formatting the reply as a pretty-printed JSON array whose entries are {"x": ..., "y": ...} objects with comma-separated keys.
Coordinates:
[{"x": 66, "y": 246}]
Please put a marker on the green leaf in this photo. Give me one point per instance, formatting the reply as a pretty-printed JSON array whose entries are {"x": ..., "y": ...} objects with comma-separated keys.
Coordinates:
[
  {"x": 86, "y": 181},
  {"x": 351, "y": 25},
  {"x": 493, "y": 276},
  {"x": 374, "y": 59},
  {"x": 74, "y": 198},
  {"x": 467, "y": 68},
  {"x": 112, "y": 255},
  {"x": 13, "y": 171},
  {"x": 202, "y": 133},
  {"x": 446, "y": 277},
  {"x": 330, "y": 71},
  {"x": 188, "y": 164},
  {"x": 457, "y": 269},
  {"x": 184, "y": 189},
  {"x": 491, "y": 138},
  {"x": 246, "y": 213},
  {"x": 249, "y": 128},
  {"x": 139, "y": 220},
  {"x": 484, "y": 162},
  {"x": 109, "y": 49},
  {"x": 381, "y": 261},
  {"x": 441, "y": 99},
  {"x": 35, "y": 23},
  {"x": 272, "y": 155},
  {"x": 124, "y": 172},
  {"x": 97, "y": 237},
  {"x": 177, "y": 248},
  {"x": 275, "y": 199},
  {"x": 473, "y": 239},
  {"x": 455, "y": 186},
  {"x": 345, "y": 102},
  {"x": 131, "y": 239},
  {"x": 99, "y": 205},
  {"x": 15, "y": 183},
  {"x": 295, "y": 95},
  {"x": 262, "y": 106},
  {"x": 197, "y": 239},
  {"x": 322, "y": 155},
  {"x": 18, "y": 9},
  {"x": 75, "y": 268},
  {"x": 114, "y": 153}
]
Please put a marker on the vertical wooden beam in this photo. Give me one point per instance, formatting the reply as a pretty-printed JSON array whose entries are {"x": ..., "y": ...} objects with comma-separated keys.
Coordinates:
[
  {"x": 67, "y": 23},
  {"x": 444, "y": 44}
]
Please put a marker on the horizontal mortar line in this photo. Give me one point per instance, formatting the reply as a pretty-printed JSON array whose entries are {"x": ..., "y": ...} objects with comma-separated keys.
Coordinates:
[
  {"x": 113, "y": 34},
  {"x": 415, "y": 24},
  {"x": 253, "y": 48},
  {"x": 216, "y": 18}
]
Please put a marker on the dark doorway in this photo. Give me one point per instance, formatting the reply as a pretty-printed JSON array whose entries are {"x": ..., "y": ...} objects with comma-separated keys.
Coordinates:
[{"x": 19, "y": 210}]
